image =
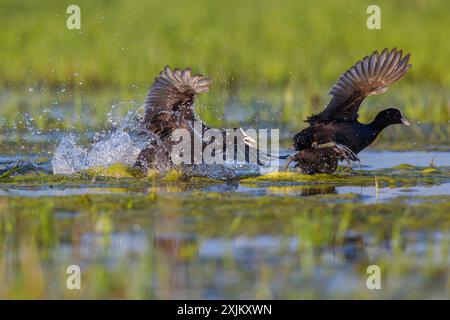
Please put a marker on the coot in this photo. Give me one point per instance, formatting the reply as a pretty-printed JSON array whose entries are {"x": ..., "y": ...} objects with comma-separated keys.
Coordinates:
[
  {"x": 169, "y": 106},
  {"x": 335, "y": 133}
]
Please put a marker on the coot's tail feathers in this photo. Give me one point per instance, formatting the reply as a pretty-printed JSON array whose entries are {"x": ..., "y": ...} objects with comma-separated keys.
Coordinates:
[
  {"x": 372, "y": 75},
  {"x": 172, "y": 89}
]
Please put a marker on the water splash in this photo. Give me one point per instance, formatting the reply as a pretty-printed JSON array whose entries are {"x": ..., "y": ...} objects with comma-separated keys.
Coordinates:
[
  {"x": 121, "y": 144},
  {"x": 124, "y": 142}
]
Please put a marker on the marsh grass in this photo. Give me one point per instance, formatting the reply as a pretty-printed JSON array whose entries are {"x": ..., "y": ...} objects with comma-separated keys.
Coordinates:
[
  {"x": 273, "y": 62},
  {"x": 5, "y": 173},
  {"x": 240, "y": 43},
  {"x": 18, "y": 167}
]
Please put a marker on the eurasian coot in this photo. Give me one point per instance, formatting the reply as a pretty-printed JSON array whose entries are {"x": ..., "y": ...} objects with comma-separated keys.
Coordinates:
[
  {"x": 335, "y": 133},
  {"x": 168, "y": 107}
]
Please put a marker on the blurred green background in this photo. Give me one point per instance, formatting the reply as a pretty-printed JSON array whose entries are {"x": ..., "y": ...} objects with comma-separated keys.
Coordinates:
[{"x": 273, "y": 62}]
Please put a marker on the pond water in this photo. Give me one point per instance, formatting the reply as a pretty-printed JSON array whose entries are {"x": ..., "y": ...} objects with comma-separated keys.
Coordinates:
[
  {"x": 370, "y": 160},
  {"x": 287, "y": 238},
  {"x": 375, "y": 159}
]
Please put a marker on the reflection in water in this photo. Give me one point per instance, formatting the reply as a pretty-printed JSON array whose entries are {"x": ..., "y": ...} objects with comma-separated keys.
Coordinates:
[
  {"x": 353, "y": 248},
  {"x": 241, "y": 262},
  {"x": 174, "y": 250},
  {"x": 368, "y": 194},
  {"x": 221, "y": 240},
  {"x": 171, "y": 252},
  {"x": 371, "y": 194},
  {"x": 58, "y": 192},
  {"x": 301, "y": 191}
]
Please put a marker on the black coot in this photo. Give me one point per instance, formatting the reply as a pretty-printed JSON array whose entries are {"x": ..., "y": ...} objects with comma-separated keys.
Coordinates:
[
  {"x": 335, "y": 133},
  {"x": 169, "y": 106}
]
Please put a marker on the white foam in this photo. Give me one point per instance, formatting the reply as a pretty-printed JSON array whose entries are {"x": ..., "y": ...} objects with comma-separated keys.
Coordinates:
[{"x": 120, "y": 144}]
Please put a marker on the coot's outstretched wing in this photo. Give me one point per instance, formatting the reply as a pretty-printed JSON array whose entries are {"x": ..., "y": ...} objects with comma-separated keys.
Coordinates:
[
  {"x": 372, "y": 75},
  {"x": 169, "y": 106},
  {"x": 173, "y": 89}
]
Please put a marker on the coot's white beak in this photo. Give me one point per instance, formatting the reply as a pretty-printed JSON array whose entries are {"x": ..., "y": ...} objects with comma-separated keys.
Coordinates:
[{"x": 405, "y": 122}]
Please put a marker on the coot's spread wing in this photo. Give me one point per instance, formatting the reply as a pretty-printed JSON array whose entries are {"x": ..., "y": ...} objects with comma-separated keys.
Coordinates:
[
  {"x": 372, "y": 75},
  {"x": 173, "y": 89},
  {"x": 169, "y": 106}
]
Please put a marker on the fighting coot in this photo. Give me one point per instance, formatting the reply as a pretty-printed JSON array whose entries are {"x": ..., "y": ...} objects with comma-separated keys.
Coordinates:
[
  {"x": 168, "y": 107},
  {"x": 335, "y": 133}
]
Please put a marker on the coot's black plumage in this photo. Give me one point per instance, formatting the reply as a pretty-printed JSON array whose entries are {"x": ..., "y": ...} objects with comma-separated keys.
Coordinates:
[
  {"x": 335, "y": 133},
  {"x": 169, "y": 105}
]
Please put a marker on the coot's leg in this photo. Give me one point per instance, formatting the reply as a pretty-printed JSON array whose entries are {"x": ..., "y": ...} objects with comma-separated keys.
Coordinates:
[
  {"x": 288, "y": 162},
  {"x": 340, "y": 149},
  {"x": 347, "y": 154}
]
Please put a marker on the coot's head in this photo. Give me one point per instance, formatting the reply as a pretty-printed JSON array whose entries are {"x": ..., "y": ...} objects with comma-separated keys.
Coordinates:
[{"x": 390, "y": 116}]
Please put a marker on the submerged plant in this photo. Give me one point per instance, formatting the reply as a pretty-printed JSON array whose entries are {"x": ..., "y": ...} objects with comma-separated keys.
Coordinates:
[{"x": 18, "y": 167}]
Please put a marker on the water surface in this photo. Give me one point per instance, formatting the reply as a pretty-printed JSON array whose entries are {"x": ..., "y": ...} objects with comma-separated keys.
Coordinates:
[{"x": 138, "y": 238}]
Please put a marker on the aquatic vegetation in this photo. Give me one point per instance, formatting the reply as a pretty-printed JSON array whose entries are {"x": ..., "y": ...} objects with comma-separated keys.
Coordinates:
[
  {"x": 289, "y": 176},
  {"x": 19, "y": 167},
  {"x": 173, "y": 175},
  {"x": 9, "y": 171},
  {"x": 399, "y": 175},
  {"x": 404, "y": 166},
  {"x": 116, "y": 170},
  {"x": 132, "y": 231},
  {"x": 430, "y": 170},
  {"x": 283, "y": 238}
]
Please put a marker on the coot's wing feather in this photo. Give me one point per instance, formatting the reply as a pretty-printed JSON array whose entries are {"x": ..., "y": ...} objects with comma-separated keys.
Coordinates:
[
  {"x": 372, "y": 75},
  {"x": 172, "y": 89}
]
